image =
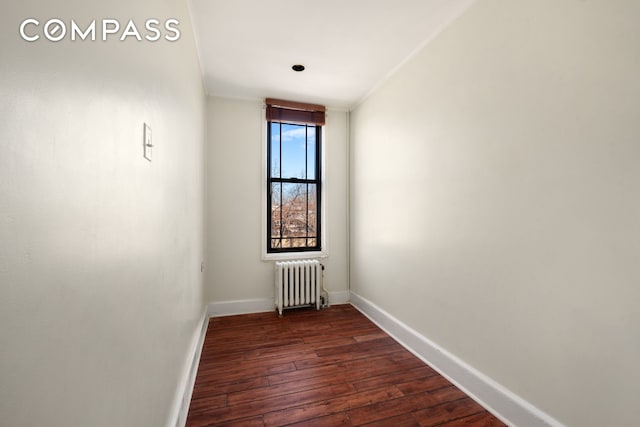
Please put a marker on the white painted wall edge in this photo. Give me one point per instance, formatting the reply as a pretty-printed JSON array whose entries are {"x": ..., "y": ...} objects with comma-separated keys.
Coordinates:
[
  {"x": 506, "y": 405},
  {"x": 182, "y": 399}
]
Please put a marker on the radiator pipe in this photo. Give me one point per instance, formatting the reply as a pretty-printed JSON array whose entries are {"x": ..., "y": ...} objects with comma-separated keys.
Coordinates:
[{"x": 324, "y": 294}]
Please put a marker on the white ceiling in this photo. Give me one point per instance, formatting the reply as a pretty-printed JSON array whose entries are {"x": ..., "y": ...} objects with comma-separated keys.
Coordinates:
[{"x": 247, "y": 47}]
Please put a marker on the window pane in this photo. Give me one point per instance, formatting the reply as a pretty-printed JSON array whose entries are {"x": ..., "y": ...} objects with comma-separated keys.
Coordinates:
[
  {"x": 312, "y": 212},
  {"x": 275, "y": 150},
  {"x": 293, "y": 151},
  {"x": 294, "y": 210},
  {"x": 296, "y": 242},
  {"x": 311, "y": 152},
  {"x": 276, "y": 209},
  {"x": 285, "y": 243}
]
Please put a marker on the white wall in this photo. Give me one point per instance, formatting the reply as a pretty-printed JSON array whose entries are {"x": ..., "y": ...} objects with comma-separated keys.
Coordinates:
[
  {"x": 494, "y": 201},
  {"x": 235, "y": 270},
  {"x": 100, "y": 250}
]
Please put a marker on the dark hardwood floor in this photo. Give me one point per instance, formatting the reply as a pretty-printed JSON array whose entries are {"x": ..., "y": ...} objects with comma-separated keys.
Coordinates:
[{"x": 320, "y": 368}]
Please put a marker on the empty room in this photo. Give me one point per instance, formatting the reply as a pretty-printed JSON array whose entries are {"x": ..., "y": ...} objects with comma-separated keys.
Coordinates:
[{"x": 356, "y": 212}]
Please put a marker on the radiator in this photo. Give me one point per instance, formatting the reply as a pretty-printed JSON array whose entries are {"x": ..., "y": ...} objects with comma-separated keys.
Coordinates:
[{"x": 298, "y": 283}]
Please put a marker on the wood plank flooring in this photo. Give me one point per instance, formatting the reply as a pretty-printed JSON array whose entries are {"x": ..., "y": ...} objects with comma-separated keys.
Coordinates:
[{"x": 319, "y": 368}]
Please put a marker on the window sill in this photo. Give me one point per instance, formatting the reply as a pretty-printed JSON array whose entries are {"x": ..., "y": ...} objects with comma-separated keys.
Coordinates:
[{"x": 286, "y": 256}]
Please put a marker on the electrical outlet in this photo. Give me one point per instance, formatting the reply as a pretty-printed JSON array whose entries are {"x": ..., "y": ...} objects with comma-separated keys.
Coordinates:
[{"x": 148, "y": 145}]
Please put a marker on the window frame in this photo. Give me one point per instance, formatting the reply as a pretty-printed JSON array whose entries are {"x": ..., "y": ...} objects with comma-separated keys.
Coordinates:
[
  {"x": 307, "y": 251},
  {"x": 262, "y": 166}
]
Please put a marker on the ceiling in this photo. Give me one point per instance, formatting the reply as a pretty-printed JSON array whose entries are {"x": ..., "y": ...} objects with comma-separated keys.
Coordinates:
[{"x": 349, "y": 47}]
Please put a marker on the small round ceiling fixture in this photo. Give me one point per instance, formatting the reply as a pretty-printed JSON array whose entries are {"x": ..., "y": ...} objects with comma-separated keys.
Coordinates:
[{"x": 298, "y": 67}]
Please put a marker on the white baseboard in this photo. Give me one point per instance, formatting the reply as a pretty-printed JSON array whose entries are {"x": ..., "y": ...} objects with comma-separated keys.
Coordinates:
[
  {"x": 506, "y": 405},
  {"x": 184, "y": 392},
  {"x": 246, "y": 306},
  {"x": 230, "y": 308}
]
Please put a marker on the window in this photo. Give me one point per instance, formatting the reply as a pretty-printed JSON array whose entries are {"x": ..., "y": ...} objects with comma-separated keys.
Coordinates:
[{"x": 293, "y": 177}]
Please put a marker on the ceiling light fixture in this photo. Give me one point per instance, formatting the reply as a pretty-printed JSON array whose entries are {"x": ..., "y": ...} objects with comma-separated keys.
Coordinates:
[{"x": 298, "y": 67}]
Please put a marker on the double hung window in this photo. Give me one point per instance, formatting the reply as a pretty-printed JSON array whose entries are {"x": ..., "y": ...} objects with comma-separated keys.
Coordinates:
[{"x": 294, "y": 138}]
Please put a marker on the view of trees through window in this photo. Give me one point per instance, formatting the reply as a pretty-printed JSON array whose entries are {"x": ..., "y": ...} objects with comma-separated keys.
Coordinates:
[{"x": 294, "y": 182}]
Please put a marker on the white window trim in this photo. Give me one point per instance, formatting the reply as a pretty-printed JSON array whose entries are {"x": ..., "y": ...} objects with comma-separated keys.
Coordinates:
[{"x": 281, "y": 256}]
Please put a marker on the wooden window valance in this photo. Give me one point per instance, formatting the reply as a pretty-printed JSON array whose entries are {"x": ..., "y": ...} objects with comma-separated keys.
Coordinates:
[{"x": 295, "y": 112}]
